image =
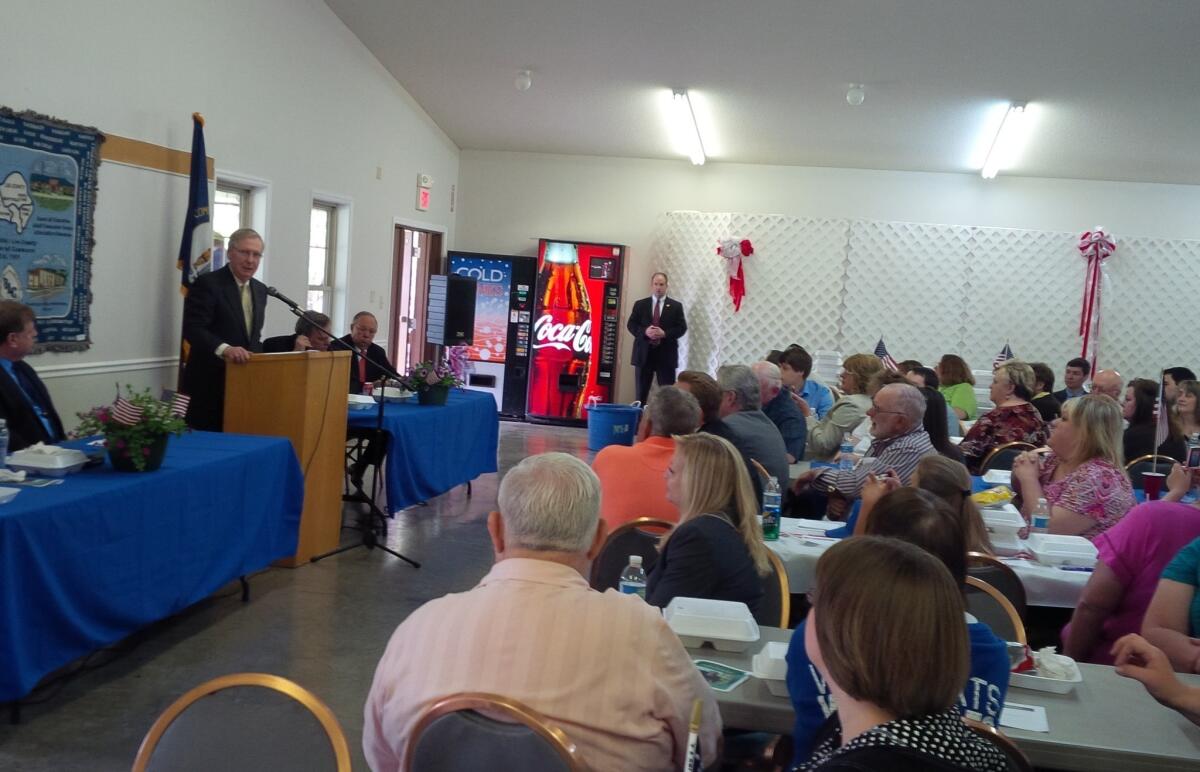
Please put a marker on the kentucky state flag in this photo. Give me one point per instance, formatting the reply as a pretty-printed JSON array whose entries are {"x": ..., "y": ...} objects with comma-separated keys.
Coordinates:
[{"x": 195, "y": 248}]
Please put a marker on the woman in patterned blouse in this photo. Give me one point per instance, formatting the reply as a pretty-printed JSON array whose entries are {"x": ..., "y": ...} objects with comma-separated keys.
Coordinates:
[
  {"x": 1083, "y": 477},
  {"x": 880, "y": 607},
  {"x": 1014, "y": 418}
]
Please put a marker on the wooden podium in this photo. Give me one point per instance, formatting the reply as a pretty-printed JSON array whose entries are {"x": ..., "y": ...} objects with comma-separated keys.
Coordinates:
[{"x": 301, "y": 396}]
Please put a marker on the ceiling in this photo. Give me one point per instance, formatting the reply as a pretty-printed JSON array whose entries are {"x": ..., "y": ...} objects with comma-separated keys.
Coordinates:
[{"x": 1112, "y": 84}]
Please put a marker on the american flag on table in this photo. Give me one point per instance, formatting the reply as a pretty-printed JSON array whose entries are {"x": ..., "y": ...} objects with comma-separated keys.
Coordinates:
[
  {"x": 126, "y": 412},
  {"x": 179, "y": 404},
  {"x": 882, "y": 352},
  {"x": 1004, "y": 355}
]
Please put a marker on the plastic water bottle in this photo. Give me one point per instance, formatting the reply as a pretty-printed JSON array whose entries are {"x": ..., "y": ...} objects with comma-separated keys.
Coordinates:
[
  {"x": 3, "y": 443},
  {"x": 844, "y": 458},
  {"x": 633, "y": 578},
  {"x": 1041, "y": 517},
  {"x": 1193, "y": 461},
  {"x": 772, "y": 503}
]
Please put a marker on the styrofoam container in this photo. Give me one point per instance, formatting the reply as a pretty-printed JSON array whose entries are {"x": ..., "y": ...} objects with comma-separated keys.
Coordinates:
[
  {"x": 1055, "y": 550},
  {"x": 1006, "y": 545},
  {"x": 998, "y": 477},
  {"x": 1003, "y": 519},
  {"x": 8, "y": 494},
  {"x": 728, "y": 625},
  {"x": 1031, "y": 680},
  {"x": 48, "y": 464},
  {"x": 392, "y": 394},
  {"x": 770, "y": 665},
  {"x": 360, "y": 401}
]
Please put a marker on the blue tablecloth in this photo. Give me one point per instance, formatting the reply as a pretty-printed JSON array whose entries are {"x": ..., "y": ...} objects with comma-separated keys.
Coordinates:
[
  {"x": 435, "y": 448},
  {"x": 85, "y": 563}
]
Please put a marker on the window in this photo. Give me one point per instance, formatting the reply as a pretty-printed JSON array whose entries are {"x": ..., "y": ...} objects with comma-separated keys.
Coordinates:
[
  {"x": 231, "y": 211},
  {"x": 322, "y": 252}
]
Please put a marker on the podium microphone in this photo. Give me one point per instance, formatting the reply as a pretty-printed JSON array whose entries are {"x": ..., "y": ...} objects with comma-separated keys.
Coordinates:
[{"x": 277, "y": 294}]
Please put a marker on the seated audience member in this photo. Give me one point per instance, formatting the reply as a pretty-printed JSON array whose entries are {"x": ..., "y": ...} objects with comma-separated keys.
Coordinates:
[
  {"x": 1132, "y": 556},
  {"x": 494, "y": 638},
  {"x": 632, "y": 482},
  {"x": 862, "y": 432},
  {"x": 307, "y": 336},
  {"x": 881, "y": 608},
  {"x": 825, "y": 437},
  {"x": 1108, "y": 383},
  {"x": 707, "y": 392},
  {"x": 1083, "y": 477},
  {"x": 1074, "y": 377},
  {"x": 958, "y": 386},
  {"x": 741, "y": 410},
  {"x": 1043, "y": 384},
  {"x": 812, "y": 397},
  {"x": 950, "y": 482},
  {"x": 937, "y": 414},
  {"x": 907, "y": 366},
  {"x": 1141, "y": 395},
  {"x": 25, "y": 403},
  {"x": 717, "y": 550},
  {"x": 1136, "y": 658},
  {"x": 1012, "y": 420},
  {"x": 1187, "y": 407},
  {"x": 924, "y": 376},
  {"x": 1172, "y": 377},
  {"x": 900, "y": 443},
  {"x": 778, "y": 406},
  {"x": 922, "y": 519},
  {"x": 362, "y": 346}
]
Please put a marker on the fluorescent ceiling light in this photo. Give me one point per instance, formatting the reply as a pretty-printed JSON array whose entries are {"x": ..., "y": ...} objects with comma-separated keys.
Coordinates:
[
  {"x": 1010, "y": 138},
  {"x": 685, "y": 127}
]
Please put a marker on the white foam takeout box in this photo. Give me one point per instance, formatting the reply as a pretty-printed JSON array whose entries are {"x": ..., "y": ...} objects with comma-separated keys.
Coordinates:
[
  {"x": 392, "y": 394},
  {"x": 58, "y": 464},
  {"x": 998, "y": 477},
  {"x": 360, "y": 401},
  {"x": 770, "y": 665},
  {"x": 1056, "y": 550},
  {"x": 1004, "y": 523},
  {"x": 8, "y": 494},
  {"x": 727, "y": 625},
  {"x": 1031, "y": 680}
]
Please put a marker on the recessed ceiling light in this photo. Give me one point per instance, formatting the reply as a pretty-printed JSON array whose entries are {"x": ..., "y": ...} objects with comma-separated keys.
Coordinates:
[
  {"x": 524, "y": 80},
  {"x": 856, "y": 94}
]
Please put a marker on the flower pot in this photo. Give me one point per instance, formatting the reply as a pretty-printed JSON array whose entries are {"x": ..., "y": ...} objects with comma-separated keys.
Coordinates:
[
  {"x": 122, "y": 461},
  {"x": 433, "y": 395}
]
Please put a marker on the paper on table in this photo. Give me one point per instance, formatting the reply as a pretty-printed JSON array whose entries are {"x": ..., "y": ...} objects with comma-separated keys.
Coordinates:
[{"x": 1031, "y": 718}]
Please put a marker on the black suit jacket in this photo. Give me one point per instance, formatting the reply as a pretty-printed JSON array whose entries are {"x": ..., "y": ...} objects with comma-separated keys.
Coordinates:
[
  {"x": 672, "y": 322},
  {"x": 705, "y": 558},
  {"x": 374, "y": 372},
  {"x": 212, "y": 315},
  {"x": 280, "y": 344},
  {"x": 24, "y": 428}
]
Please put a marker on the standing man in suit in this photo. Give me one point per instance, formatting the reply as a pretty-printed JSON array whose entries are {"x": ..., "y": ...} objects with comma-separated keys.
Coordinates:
[
  {"x": 24, "y": 402},
  {"x": 656, "y": 324},
  {"x": 222, "y": 323},
  {"x": 364, "y": 353}
]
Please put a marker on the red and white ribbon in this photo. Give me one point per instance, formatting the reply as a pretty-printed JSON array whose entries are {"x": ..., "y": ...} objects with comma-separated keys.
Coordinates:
[
  {"x": 733, "y": 251},
  {"x": 1095, "y": 246}
]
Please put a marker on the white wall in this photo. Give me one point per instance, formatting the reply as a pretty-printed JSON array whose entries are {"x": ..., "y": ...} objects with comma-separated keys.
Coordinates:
[
  {"x": 290, "y": 97},
  {"x": 508, "y": 200}
]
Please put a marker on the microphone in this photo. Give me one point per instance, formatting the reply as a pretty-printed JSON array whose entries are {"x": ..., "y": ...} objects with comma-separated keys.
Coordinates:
[{"x": 277, "y": 294}]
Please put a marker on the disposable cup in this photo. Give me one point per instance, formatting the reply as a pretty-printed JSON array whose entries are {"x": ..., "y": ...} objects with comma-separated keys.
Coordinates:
[{"x": 1152, "y": 483}]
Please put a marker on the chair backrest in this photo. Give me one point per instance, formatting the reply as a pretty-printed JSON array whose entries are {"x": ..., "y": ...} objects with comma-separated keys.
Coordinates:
[
  {"x": 1002, "y": 456},
  {"x": 989, "y": 606},
  {"x": 638, "y": 537},
  {"x": 1001, "y": 577},
  {"x": 1017, "y": 760},
  {"x": 1147, "y": 464},
  {"x": 459, "y": 734},
  {"x": 245, "y": 721},
  {"x": 775, "y": 607}
]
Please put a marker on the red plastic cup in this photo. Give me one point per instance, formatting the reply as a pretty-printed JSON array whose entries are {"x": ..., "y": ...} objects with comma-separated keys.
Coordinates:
[{"x": 1152, "y": 483}]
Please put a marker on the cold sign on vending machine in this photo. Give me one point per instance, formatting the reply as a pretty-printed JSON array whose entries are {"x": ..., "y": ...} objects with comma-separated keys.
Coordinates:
[{"x": 576, "y": 326}]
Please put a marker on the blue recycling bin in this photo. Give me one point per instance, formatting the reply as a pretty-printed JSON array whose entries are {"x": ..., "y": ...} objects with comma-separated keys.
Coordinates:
[{"x": 612, "y": 424}]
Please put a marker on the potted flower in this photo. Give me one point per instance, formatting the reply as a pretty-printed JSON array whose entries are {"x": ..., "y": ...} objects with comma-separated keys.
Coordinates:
[
  {"x": 136, "y": 428},
  {"x": 432, "y": 382}
]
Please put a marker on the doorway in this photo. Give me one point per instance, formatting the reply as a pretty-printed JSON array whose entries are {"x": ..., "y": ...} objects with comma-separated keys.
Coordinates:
[{"x": 416, "y": 255}]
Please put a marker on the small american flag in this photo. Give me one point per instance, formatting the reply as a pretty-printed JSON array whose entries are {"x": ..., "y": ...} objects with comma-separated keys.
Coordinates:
[
  {"x": 126, "y": 412},
  {"x": 179, "y": 404},
  {"x": 1162, "y": 427},
  {"x": 1004, "y": 355},
  {"x": 882, "y": 352}
]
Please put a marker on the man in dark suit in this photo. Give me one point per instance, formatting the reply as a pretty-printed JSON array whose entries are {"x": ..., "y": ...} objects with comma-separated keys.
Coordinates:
[
  {"x": 656, "y": 324},
  {"x": 24, "y": 402},
  {"x": 311, "y": 334},
  {"x": 222, "y": 323},
  {"x": 363, "y": 369}
]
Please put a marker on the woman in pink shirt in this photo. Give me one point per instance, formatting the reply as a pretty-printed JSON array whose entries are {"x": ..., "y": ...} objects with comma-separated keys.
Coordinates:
[{"x": 1132, "y": 556}]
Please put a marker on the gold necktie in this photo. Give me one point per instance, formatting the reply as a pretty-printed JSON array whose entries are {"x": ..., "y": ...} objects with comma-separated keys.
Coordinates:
[{"x": 247, "y": 307}]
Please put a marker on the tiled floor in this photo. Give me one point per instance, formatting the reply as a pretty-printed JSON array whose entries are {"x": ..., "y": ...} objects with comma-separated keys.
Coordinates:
[{"x": 323, "y": 625}]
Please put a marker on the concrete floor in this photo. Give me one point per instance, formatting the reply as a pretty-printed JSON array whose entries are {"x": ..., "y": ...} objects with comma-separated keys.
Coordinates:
[{"x": 324, "y": 626}]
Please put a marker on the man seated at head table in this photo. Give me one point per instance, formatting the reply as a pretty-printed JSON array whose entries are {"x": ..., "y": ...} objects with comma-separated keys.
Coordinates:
[
  {"x": 312, "y": 334},
  {"x": 603, "y": 667},
  {"x": 24, "y": 402},
  {"x": 897, "y": 413},
  {"x": 367, "y": 360},
  {"x": 633, "y": 479}
]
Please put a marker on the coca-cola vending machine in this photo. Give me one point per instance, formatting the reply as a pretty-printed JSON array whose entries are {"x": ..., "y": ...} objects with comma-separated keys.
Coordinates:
[{"x": 576, "y": 327}]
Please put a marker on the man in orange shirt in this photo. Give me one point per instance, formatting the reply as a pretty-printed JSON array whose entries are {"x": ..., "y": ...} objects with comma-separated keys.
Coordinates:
[{"x": 632, "y": 481}]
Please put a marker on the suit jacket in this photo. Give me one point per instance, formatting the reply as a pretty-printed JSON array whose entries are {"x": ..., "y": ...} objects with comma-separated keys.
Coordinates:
[
  {"x": 212, "y": 315},
  {"x": 705, "y": 558},
  {"x": 374, "y": 372},
  {"x": 280, "y": 344},
  {"x": 671, "y": 321},
  {"x": 24, "y": 428}
]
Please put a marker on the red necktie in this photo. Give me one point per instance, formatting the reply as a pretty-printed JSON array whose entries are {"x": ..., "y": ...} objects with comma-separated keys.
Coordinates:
[
  {"x": 362, "y": 369},
  {"x": 654, "y": 320}
]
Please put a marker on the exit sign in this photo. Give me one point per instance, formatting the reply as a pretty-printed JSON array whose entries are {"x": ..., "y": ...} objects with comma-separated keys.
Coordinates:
[{"x": 423, "y": 199}]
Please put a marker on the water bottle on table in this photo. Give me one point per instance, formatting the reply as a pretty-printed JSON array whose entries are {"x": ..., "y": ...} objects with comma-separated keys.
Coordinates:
[
  {"x": 3, "y": 443},
  {"x": 633, "y": 578},
  {"x": 772, "y": 503},
  {"x": 1041, "y": 517},
  {"x": 845, "y": 458}
]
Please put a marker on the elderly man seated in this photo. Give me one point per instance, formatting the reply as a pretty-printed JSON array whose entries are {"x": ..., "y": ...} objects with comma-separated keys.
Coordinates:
[
  {"x": 777, "y": 404},
  {"x": 633, "y": 479},
  {"x": 1109, "y": 383},
  {"x": 897, "y": 413},
  {"x": 603, "y": 667},
  {"x": 741, "y": 410}
]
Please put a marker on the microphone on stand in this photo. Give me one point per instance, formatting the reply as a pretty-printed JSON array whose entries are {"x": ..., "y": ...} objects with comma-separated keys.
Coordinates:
[{"x": 287, "y": 301}]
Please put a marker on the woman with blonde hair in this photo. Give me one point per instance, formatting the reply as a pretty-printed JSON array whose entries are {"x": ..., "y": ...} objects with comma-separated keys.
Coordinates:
[
  {"x": 957, "y": 385},
  {"x": 1187, "y": 407},
  {"x": 717, "y": 550},
  {"x": 1083, "y": 477},
  {"x": 825, "y": 436},
  {"x": 1014, "y": 419}
]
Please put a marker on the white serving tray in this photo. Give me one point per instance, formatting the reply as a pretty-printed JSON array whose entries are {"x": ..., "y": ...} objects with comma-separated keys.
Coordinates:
[
  {"x": 727, "y": 625},
  {"x": 46, "y": 464}
]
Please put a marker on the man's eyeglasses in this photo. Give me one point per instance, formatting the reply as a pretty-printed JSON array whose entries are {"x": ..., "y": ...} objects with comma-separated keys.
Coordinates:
[{"x": 875, "y": 406}]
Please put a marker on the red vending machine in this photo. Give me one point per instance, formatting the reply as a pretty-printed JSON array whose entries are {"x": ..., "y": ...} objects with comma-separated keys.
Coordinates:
[{"x": 576, "y": 327}]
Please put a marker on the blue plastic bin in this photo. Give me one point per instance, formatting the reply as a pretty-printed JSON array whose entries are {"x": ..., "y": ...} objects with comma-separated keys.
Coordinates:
[{"x": 612, "y": 424}]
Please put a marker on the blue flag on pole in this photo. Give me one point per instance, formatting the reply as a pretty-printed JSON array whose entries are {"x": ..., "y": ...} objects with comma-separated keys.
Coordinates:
[{"x": 195, "y": 248}]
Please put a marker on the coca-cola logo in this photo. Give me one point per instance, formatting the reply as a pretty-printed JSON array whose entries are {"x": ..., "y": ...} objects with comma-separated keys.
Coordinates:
[{"x": 564, "y": 337}]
